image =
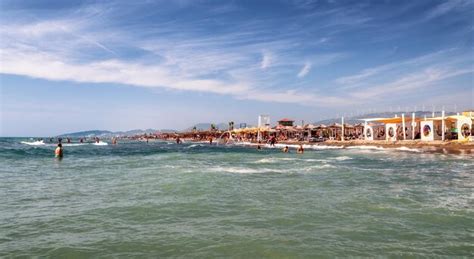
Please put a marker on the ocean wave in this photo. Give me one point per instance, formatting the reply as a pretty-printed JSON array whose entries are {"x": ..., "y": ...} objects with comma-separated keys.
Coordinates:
[
  {"x": 315, "y": 167},
  {"x": 342, "y": 158},
  {"x": 366, "y": 147},
  {"x": 195, "y": 145},
  {"x": 408, "y": 149},
  {"x": 34, "y": 143},
  {"x": 274, "y": 160},
  {"x": 242, "y": 170},
  {"x": 322, "y": 147},
  {"x": 71, "y": 144},
  {"x": 100, "y": 143}
]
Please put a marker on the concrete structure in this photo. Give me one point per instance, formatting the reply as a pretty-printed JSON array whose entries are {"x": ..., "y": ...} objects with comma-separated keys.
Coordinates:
[
  {"x": 428, "y": 131},
  {"x": 286, "y": 122}
]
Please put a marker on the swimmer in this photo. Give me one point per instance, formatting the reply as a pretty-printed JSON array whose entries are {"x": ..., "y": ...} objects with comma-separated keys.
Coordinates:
[
  {"x": 285, "y": 149},
  {"x": 59, "y": 151},
  {"x": 300, "y": 150},
  {"x": 259, "y": 147}
]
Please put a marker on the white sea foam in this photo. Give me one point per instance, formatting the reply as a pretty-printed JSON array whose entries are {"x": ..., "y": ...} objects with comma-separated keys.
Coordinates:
[
  {"x": 322, "y": 147},
  {"x": 241, "y": 170},
  {"x": 366, "y": 147},
  {"x": 342, "y": 158},
  {"x": 34, "y": 143},
  {"x": 195, "y": 145},
  {"x": 315, "y": 167},
  {"x": 408, "y": 149},
  {"x": 101, "y": 143},
  {"x": 275, "y": 160},
  {"x": 72, "y": 144}
]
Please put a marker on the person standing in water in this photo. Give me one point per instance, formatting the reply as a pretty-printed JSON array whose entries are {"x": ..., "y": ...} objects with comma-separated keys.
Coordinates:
[
  {"x": 285, "y": 149},
  {"x": 300, "y": 150},
  {"x": 59, "y": 151}
]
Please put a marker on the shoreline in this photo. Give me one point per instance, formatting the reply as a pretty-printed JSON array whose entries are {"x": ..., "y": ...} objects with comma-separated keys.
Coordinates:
[
  {"x": 422, "y": 146},
  {"x": 451, "y": 147}
]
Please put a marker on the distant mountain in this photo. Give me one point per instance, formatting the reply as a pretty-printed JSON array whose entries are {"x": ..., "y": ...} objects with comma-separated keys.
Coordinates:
[
  {"x": 88, "y": 133},
  {"x": 107, "y": 133},
  {"x": 358, "y": 119}
]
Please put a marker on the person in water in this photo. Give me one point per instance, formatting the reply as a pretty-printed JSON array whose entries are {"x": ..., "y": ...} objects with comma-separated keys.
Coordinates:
[
  {"x": 59, "y": 151},
  {"x": 300, "y": 150},
  {"x": 285, "y": 149}
]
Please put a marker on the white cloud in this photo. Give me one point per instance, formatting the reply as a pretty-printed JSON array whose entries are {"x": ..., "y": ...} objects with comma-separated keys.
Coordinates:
[
  {"x": 373, "y": 72},
  {"x": 411, "y": 83},
  {"x": 449, "y": 6},
  {"x": 46, "y": 66},
  {"x": 266, "y": 60},
  {"x": 305, "y": 70}
]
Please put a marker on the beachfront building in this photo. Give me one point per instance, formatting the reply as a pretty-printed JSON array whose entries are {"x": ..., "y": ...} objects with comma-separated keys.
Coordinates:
[
  {"x": 374, "y": 131},
  {"x": 392, "y": 129},
  {"x": 286, "y": 122},
  {"x": 431, "y": 129},
  {"x": 465, "y": 126},
  {"x": 335, "y": 131},
  {"x": 455, "y": 127}
]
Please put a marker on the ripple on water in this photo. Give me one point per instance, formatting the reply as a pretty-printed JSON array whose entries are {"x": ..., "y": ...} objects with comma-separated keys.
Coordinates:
[{"x": 194, "y": 200}]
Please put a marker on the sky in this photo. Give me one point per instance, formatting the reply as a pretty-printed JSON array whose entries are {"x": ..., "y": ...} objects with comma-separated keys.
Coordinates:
[{"x": 68, "y": 66}]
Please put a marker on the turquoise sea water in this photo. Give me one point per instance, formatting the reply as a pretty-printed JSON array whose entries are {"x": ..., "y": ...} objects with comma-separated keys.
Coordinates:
[{"x": 166, "y": 200}]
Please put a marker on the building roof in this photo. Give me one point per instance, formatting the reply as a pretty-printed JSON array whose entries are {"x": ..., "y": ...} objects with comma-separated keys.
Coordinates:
[{"x": 286, "y": 120}]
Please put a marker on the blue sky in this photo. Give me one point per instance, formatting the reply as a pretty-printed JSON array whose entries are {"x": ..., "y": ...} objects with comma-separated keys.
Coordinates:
[{"x": 77, "y": 65}]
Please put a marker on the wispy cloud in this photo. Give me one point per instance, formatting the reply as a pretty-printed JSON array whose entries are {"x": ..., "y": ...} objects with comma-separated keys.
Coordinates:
[
  {"x": 411, "y": 83},
  {"x": 266, "y": 60},
  {"x": 368, "y": 73},
  {"x": 305, "y": 70},
  {"x": 248, "y": 61},
  {"x": 449, "y": 6}
]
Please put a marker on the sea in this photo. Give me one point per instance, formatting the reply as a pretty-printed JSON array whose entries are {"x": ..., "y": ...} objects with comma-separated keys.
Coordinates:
[{"x": 195, "y": 200}]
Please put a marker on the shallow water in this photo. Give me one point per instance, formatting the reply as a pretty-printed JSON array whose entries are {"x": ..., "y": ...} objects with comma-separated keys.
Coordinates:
[{"x": 194, "y": 200}]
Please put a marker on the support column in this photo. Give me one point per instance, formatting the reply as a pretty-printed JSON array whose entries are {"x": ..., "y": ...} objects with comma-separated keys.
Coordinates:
[
  {"x": 413, "y": 126},
  {"x": 342, "y": 127},
  {"x": 365, "y": 130},
  {"x": 403, "y": 127},
  {"x": 443, "y": 126}
]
